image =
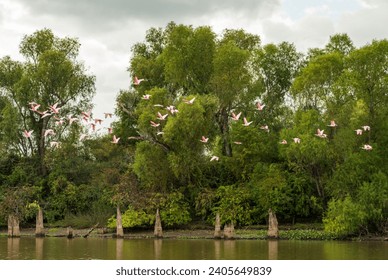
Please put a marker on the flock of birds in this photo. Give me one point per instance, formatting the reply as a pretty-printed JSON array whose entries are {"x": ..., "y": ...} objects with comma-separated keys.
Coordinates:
[
  {"x": 86, "y": 117},
  {"x": 54, "y": 111}
]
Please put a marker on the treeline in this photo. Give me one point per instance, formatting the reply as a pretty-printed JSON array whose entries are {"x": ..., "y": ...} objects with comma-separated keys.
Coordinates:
[{"x": 214, "y": 123}]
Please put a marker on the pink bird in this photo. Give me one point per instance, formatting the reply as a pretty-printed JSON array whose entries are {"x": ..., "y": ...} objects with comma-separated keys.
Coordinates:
[
  {"x": 93, "y": 126},
  {"x": 154, "y": 124},
  {"x": 190, "y": 102},
  {"x": 283, "y": 142},
  {"x": 320, "y": 133},
  {"x": 45, "y": 114},
  {"x": 34, "y": 106},
  {"x": 110, "y": 130},
  {"x": 137, "y": 81},
  {"x": 97, "y": 121},
  {"x": 260, "y": 106},
  {"x": 246, "y": 123},
  {"x": 161, "y": 117},
  {"x": 264, "y": 127},
  {"x": 27, "y": 134},
  {"x": 204, "y": 139},
  {"x": 296, "y": 140},
  {"x": 54, "y": 108},
  {"x": 115, "y": 139},
  {"x": 236, "y": 117},
  {"x": 146, "y": 97},
  {"x": 83, "y": 136},
  {"x": 237, "y": 142},
  {"x": 216, "y": 158},
  {"x": 358, "y": 131},
  {"x": 332, "y": 124},
  {"x": 86, "y": 115},
  {"x": 108, "y": 115},
  {"x": 366, "y": 127},
  {"x": 172, "y": 109},
  {"x": 366, "y": 147}
]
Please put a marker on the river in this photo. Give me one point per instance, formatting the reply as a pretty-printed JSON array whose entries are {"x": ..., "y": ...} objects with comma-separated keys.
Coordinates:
[{"x": 56, "y": 248}]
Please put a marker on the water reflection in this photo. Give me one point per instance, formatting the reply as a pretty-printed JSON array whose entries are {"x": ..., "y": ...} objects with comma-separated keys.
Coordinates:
[
  {"x": 13, "y": 245},
  {"x": 174, "y": 249},
  {"x": 273, "y": 249}
]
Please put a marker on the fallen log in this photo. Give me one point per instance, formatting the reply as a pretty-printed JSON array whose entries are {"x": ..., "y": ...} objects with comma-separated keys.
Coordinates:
[{"x": 90, "y": 230}]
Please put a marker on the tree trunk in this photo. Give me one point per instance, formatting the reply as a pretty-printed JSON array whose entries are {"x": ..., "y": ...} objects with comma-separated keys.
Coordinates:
[
  {"x": 273, "y": 230},
  {"x": 39, "y": 229},
  {"x": 119, "y": 224},
  {"x": 13, "y": 226},
  {"x": 158, "y": 232},
  {"x": 223, "y": 123},
  {"x": 229, "y": 231},
  {"x": 217, "y": 229}
]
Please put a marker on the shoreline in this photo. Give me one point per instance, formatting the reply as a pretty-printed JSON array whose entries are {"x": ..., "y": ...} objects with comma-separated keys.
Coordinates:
[{"x": 240, "y": 234}]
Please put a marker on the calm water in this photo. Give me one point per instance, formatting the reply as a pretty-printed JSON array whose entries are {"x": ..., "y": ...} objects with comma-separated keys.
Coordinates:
[{"x": 54, "y": 248}]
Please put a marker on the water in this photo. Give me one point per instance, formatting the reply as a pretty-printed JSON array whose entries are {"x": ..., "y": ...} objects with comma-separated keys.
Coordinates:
[{"x": 54, "y": 248}]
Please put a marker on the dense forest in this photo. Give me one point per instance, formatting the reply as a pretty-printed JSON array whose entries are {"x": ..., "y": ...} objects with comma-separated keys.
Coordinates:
[{"x": 211, "y": 123}]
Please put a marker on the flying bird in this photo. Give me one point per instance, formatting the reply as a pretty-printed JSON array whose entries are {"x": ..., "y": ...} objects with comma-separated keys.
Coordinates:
[
  {"x": 27, "y": 134},
  {"x": 204, "y": 139},
  {"x": 137, "y": 81},
  {"x": 190, "y": 102},
  {"x": 358, "y": 131},
  {"x": 154, "y": 124},
  {"x": 236, "y": 117},
  {"x": 54, "y": 108},
  {"x": 296, "y": 140},
  {"x": 264, "y": 127},
  {"x": 49, "y": 132},
  {"x": 54, "y": 144},
  {"x": 161, "y": 117},
  {"x": 115, "y": 139},
  {"x": 246, "y": 123},
  {"x": 332, "y": 124},
  {"x": 320, "y": 133},
  {"x": 216, "y": 158},
  {"x": 108, "y": 115},
  {"x": 260, "y": 106},
  {"x": 366, "y": 127},
  {"x": 146, "y": 96},
  {"x": 237, "y": 142},
  {"x": 283, "y": 142},
  {"x": 366, "y": 147}
]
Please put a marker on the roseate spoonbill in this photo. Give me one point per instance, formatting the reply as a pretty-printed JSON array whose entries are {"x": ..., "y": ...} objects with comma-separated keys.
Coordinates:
[
  {"x": 237, "y": 142},
  {"x": 366, "y": 127},
  {"x": 296, "y": 140},
  {"x": 154, "y": 124},
  {"x": 71, "y": 119},
  {"x": 236, "y": 117},
  {"x": 320, "y": 133},
  {"x": 283, "y": 142},
  {"x": 146, "y": 96},
  {"x": 366, "y": 147},
  {"x": 246, "y": 123},
  {"x": 216, "y": 158},
  {"x": 108, "y": 115},
  {"x": 190, "y": 102},
  {"x": 204, "y": 139},
  {"x": 264, "y": 127},
  {"x": 34, "y": 106},
  {"x": 110, "y": 130},
  {"x": 27, "y": 134},
  {"x": 260, "y": 106},
  {"x": 54, "y": 108},
  {"x": 161, "y": 117},
  {"x": 54, "y": 144},
  {"x": 137, "y": 81},
  {"x": 115, "y": 139},
  {"x": 98, "y": 121},
  {"x": 358, "y": 131},
  {"x": 48, "y": 132}
]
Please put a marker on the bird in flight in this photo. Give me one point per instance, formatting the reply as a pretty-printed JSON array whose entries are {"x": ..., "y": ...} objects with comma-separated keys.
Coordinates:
[
  {"x": 154, "y": 124},
  {"x": 27, "y": 134},
  {"x": 358, "y": 131},
  {"x": 190, "y": 102},
  {"x": 146, "y": 96},
  {"x": 283, "y": 142},
  {"x": 320, "y": 133},
  {"x": 246, "y": 123},
  {"x": 108, "y": 115},
  {"x": 161, "y": 117},
  {"x": 367, "y": 147},
  {"x": 204, "y": 139},
  {"x": 296, "y": 140},
  {"x": 115, "y": 139},
  {"x": 54, "y": 108},
  {"x": 137, "y": 81},
  {"x": 366, "y": 127},
  {"x": 260, "y": 106},
  {"x": 236, "y": 117},
  {"x": 216, "y": 158},
  {"x": 332, "y": 124}
]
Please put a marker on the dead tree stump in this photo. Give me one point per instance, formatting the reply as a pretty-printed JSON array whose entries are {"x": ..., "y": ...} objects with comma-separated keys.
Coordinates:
[
  {"x": 273, "y": 230},
  {"x": 217, "y": 229},
  {"x": 229, "y": 231},
  {"x": 39, "y": 229},
  {"x": 158, "y": 231},
  {"x": 119, "y": 224},
  {"x": 70, "y": 233},
  {"x": 13, "y": 226}
]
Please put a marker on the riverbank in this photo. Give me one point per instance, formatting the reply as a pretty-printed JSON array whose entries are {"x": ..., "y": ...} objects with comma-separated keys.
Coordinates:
[{"x": 285, "y": 234}]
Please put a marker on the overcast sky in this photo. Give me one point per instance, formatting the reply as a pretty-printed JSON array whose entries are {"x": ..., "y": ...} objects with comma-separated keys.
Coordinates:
[{"x": 108, "y": 29}]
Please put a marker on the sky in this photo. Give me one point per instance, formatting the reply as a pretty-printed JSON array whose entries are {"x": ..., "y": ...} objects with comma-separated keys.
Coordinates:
[{"x": 108, "y": 29}]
